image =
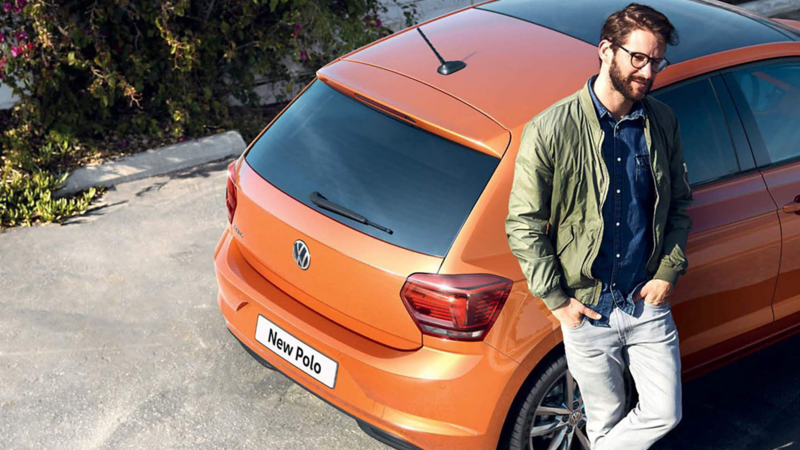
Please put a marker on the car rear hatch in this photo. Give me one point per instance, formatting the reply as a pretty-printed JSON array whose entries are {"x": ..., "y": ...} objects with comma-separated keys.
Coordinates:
[{"x": 408, "y": 158}]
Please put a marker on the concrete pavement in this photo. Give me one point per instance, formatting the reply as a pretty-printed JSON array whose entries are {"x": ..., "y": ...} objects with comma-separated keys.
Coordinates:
[{"x": 110, "y": 337}]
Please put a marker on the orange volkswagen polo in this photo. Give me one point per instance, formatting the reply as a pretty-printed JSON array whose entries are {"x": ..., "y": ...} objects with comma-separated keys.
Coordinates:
[{"x": 365, "y": 255}]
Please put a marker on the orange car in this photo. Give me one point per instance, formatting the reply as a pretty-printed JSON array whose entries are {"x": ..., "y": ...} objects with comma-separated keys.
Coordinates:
[{"x": 366, "y": 258}]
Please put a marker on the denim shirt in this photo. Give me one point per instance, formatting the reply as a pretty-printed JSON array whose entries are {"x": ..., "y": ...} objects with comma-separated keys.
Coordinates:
[{"x": 627, "y": 212}]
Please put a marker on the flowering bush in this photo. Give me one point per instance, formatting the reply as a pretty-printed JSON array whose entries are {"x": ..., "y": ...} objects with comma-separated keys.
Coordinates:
[{"x": 90, "y": 72}]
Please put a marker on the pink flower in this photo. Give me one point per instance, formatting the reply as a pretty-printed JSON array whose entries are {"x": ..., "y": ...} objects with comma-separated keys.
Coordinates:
[
  {"x": 2, "y": 38},
  {"x": 16, "y": 9},
  {"x": 21, "y": 3},
  {"x": 298, "y": 26},
  {"x": 372, "y": 22},
  {"x": 15, "y": 51},
  {"x": 21, "y": 35},
  {"x": 30, "y": 45},
  {"x": 294, "y": 33},
  {"x": 303, "y": 54},
  {"x": 7, "y": 6}
]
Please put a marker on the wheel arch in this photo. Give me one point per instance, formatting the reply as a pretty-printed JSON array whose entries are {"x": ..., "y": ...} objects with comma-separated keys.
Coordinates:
[{"x": 529, "y": 371}]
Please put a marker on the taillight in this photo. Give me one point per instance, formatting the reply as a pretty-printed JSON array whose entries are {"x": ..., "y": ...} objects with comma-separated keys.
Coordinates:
[
  {"x": 230, "y": 192},
  {"x": 458, "y": 307}
]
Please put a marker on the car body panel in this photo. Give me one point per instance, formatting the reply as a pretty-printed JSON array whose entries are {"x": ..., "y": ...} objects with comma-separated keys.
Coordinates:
[
  {"x": 452, "y": 118},
  {"x": 784, "y": 185},
  {"x": 782, "y": 177},
  {"x": 724, "y": 211},
  {"x": 521, "y": 75},
  {"x": 789, "y": 22},
  {"x": 409, "y": 392},
  {"x": 722, "y": 60},
  {"x": 734, "y": 249},
  {"x": 450, "y": 394},
  {"x": 353, "y": 278},
  {"x": 706, "y": 26}
]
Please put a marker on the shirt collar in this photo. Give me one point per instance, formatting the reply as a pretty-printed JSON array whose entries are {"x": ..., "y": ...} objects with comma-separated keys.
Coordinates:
[{"x": 637, "y": 110}]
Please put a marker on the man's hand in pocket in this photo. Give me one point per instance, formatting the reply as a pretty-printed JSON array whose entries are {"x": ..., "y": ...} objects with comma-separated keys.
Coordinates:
[
  {"x": 655, "y": 292},
  {"x": 571, "y": 313}
]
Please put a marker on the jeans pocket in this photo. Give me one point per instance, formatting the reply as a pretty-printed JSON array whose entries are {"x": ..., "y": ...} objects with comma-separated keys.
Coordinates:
[
  {"x": 662, "y": 307},
  {"x": 583, "y": 322},
  {"x": 636, "y": 289}
]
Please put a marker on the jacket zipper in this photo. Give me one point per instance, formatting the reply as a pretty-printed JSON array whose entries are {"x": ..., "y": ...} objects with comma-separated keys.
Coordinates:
[
  {"x": 655, "y": 188},
  {"x": 595, "y": 245},
  {"x": 686, "y": 177}
]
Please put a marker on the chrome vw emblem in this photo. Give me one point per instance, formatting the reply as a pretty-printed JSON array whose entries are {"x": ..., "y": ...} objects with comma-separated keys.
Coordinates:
[{"x": 300, "y": 254}]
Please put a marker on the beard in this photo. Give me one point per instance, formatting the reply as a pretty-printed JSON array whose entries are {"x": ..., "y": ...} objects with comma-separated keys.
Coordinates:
[{"x": 627, "y": 86}]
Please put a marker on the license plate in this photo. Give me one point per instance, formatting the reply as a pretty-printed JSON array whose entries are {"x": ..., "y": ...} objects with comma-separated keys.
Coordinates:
[{"x": 296, "y": 352}]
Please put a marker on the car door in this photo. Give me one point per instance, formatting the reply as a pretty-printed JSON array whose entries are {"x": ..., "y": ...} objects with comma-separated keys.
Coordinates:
[
  {"x": 734, "y": 244},
  {"x": 767, "y": 95}
]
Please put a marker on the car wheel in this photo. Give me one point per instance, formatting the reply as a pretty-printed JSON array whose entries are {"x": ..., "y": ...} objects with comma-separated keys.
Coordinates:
[{"x": 552, "y": 414}]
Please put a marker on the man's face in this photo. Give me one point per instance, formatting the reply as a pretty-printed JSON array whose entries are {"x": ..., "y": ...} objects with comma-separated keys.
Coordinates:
[{"x": 631, "y": 82}]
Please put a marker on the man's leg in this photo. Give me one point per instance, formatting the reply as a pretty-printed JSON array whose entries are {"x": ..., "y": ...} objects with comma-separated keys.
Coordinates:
[
  {"x": 594, "y": 357},
  {"x": 652, "y": 352}
]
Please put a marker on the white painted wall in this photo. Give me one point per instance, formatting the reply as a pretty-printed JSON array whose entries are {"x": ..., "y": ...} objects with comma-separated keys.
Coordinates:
[
  {"x": 7, "y": 98},
  {"x": 426, "y": 10}
]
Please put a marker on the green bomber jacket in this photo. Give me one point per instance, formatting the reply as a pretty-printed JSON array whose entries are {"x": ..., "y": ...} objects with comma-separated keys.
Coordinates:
[{"x": 555, "y": 223}]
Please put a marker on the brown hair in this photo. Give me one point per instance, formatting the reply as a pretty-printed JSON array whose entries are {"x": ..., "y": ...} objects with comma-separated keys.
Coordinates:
[{"x": 619, "y": 25}]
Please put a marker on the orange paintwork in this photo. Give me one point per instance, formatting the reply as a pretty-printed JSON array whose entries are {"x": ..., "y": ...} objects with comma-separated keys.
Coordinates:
[
  {"x": 452, "y": 118},
  {"x": 442, "y": 394}
]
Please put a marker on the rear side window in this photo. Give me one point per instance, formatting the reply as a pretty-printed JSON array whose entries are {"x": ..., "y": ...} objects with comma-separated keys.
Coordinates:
[
  {"x": 418, "y": 184},
  {"x": 706, "y": 143},
  {"x": 772, "y": 93}
]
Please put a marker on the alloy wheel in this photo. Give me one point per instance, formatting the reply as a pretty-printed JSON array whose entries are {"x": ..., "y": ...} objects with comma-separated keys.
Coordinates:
[{"x": 559, "y": 420}]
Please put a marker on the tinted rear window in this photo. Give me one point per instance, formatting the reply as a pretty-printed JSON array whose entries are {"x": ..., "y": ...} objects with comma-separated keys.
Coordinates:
[{"x": 418, "y": 184}]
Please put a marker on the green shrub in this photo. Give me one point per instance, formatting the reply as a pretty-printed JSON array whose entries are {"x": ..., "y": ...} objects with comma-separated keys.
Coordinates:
[
  {"x": 28, "y": 199},
  {"x": 93, "y": 76}
]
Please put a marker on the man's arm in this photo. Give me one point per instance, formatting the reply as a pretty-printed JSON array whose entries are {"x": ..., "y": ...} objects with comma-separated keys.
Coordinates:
[
  {"x": 528, "y": 213},
  {"x": 673, "y": 262}
]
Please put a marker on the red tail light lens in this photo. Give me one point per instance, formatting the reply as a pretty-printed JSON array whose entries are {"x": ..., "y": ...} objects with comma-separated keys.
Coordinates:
[
  {"x": 458, "y": 307},
  {"x": 230, "y": 192}
]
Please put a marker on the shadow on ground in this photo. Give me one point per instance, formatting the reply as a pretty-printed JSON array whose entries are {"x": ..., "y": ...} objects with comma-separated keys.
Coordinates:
[{"x": 749, "y": 404}]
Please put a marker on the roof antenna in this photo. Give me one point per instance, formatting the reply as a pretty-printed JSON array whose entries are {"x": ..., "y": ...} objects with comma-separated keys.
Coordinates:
[{"x": 447, "y": 67}]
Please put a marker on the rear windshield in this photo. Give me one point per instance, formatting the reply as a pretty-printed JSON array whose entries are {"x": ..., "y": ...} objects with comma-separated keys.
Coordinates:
[{"x": 419, "y": 185}]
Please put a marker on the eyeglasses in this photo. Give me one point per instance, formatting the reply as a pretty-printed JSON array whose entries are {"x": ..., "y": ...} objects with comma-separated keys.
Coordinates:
[{"x": 639, "y": 60}]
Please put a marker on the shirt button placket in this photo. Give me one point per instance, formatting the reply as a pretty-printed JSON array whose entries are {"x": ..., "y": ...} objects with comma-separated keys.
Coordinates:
[{"x": 617, "y": 213}]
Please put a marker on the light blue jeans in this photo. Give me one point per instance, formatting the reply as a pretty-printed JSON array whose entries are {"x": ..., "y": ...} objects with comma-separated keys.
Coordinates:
[{"x": 647, "y": 343}]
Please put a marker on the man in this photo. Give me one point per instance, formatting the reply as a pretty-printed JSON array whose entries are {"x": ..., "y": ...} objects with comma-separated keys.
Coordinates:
[{"x": 597, "y": 219}]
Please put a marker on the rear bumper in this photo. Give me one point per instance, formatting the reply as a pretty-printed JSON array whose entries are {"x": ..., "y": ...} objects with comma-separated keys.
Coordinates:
[
  {"x": 376, "y": 433},
  {"x": 424, "y": 398}
]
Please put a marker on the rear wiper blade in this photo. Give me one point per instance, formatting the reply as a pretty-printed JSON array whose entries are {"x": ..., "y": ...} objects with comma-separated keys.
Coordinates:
[{"x": 324, "y": 203}]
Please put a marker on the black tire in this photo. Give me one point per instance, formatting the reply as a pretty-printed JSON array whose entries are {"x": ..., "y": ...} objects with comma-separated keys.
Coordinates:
[{"x": 548, "y": 379}]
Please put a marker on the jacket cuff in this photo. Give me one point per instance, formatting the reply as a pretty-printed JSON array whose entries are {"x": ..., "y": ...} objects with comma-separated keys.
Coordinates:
[
  {"x": 555, "y": 298},
  {"x": 667, "y": 273}
]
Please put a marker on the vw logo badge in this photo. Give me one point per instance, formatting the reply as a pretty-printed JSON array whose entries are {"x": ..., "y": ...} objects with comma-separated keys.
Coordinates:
[{"x": 301, "y": 255}]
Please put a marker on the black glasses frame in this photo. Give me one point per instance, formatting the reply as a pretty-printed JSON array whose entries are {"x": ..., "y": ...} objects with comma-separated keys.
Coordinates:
[{"x": 657, "y": 67}]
